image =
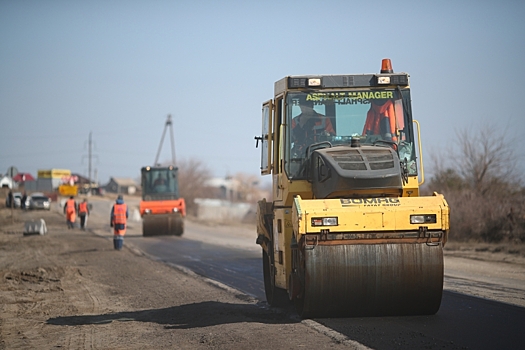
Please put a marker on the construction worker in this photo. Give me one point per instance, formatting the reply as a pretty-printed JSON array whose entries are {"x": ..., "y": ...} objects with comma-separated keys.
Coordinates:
[
  {"x": 10, "y": 201},
  {"x": 119, "y": 217},
  {"x": 160, "y": 181},
  {"x": 83, "y": 212},
  {"x": 160, "y": 184},
  {"x": 70, "y": 209},
  {"x": 308, "y": 127},
  {"x": 23, "y": 201},
  {"x": 381, "y": 120}
]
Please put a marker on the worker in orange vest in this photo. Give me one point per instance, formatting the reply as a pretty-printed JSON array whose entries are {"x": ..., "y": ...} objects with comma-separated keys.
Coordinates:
[
  {"x": 70, "y": 209},
  {"x": 83, "y": 212},
  {"x": 309, "y": 127},
  {"x": 381, "y": 119},
  {"x": 119, "y": 218}
]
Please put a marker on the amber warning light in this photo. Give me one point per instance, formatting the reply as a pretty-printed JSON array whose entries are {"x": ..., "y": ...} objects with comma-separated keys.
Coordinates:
[{"x": 386, "y": 66}]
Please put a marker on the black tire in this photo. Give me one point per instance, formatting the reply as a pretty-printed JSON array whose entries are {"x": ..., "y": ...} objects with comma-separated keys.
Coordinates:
[{"x": 275, "y": 296}]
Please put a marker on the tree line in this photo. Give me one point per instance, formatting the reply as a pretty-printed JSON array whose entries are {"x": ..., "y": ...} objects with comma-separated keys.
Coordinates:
[{"x": 479, "y": 175}]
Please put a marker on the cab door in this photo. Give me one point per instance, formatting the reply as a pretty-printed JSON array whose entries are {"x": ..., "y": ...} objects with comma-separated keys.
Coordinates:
[{"x": 266, "y": 138}]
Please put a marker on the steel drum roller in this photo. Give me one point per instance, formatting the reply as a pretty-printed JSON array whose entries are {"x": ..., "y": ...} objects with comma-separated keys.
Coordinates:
[
  {"x": 162, "y": 224},
  {"x": 372, "y": 280}
]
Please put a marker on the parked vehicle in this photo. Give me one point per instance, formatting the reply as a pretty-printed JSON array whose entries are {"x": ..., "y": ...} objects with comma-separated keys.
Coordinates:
[
  {"x": 17, "y": 199},
  {"x": 38, "y": 201}
]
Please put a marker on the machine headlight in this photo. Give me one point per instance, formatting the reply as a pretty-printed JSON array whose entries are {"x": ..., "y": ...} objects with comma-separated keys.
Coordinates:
[
  {"x": 175, "y": 210},
  {"x": 325, "y": 221},
  {"x": 383, "y": 80},
  {"x": 423, "y": 219},
  {"x": 314, "y": 82},
  {"x": 147, "y": 211}
]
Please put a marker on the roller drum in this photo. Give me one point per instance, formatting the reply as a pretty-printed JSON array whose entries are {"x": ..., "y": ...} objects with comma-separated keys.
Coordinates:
[
  {"x": 162, "y": 225},
  {"x": 371, "y": 280}
]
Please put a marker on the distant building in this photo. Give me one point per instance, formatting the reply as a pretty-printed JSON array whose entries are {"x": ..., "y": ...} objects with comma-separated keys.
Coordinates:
[
  {"x": 224, "y": 188},
  {"x": 235, "y": 189},
  {"x": 20, "y": 178},
  {"x": 7, "y": 182},
  {"x": 230, "y": 198},
  {"x": 49, "y": 180},
  {"x": 121, "y": 185},
  {"x": 83, "y": 184}
]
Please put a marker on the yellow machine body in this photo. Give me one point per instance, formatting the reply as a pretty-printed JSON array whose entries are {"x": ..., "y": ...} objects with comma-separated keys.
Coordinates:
[
  {"x": 346, "y": 232},
  {"x": 364, "y": 215}
]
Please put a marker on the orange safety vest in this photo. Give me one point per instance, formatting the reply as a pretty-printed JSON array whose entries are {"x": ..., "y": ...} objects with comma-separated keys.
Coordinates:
[
  {"x": 82, "y": 208},
  {"x": 70, "y": 206},
  {"x": 119, "y": 213},
  {"x": 374, "y": 116}
]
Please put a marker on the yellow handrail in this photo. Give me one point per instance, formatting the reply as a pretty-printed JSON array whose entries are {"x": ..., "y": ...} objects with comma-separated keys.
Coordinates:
[{"x": 422, "y": 172}]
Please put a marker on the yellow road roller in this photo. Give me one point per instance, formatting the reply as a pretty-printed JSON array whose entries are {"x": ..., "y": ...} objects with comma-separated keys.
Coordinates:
[{"x": 346, "y": 232}]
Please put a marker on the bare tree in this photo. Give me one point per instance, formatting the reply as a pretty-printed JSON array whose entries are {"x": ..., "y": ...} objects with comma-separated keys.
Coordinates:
[
  {"x": 482, "y": 185},
  {"x": 485, "y": 158},
  {"x": 193, "y": 175}
]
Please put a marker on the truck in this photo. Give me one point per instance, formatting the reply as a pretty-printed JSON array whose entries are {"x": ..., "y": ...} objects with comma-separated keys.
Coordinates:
[{"x": 347, "y": 231}]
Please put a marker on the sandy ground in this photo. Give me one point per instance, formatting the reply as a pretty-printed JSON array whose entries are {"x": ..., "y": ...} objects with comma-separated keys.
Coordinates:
[{"x": 70, "y": 289}]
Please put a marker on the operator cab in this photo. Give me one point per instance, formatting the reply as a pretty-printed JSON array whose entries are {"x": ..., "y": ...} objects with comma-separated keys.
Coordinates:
[
  {"x": 327, "y": 111},
  {"x": 159, "y": 183},
  {"x": 371, "y": 117}
]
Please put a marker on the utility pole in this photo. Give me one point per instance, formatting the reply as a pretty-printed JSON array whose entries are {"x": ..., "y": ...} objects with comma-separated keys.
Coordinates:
[
  {"x": 166, "y": 126},
  {"x": 89, "y": 166},
  {"x": 90, "y": 157}
]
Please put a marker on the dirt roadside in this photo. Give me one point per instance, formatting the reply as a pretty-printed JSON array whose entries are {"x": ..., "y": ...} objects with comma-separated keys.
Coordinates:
[{"x": 70, "y": 289}]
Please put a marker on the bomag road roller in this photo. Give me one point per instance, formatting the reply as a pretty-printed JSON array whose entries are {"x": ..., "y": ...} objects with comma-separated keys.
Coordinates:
[
  {"x": 161, "y": 208},
  {"x": 347, "y": 232}
]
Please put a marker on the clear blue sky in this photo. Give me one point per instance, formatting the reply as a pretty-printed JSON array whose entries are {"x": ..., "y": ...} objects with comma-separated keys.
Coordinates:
[{"x": 118, "y": 68}]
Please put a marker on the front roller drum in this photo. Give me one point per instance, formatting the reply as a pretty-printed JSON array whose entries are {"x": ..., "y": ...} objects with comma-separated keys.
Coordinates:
[
  {"x": 370, "y": 280},
  {"x": 162, "y": 225}
]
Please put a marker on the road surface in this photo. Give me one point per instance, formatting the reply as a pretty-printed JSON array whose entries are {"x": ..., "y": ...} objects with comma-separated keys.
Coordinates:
[{"x": 483, "y": 305}]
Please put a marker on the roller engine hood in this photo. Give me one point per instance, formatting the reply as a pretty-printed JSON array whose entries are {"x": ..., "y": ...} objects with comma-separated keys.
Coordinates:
[{"x": 340, "y": 170}]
